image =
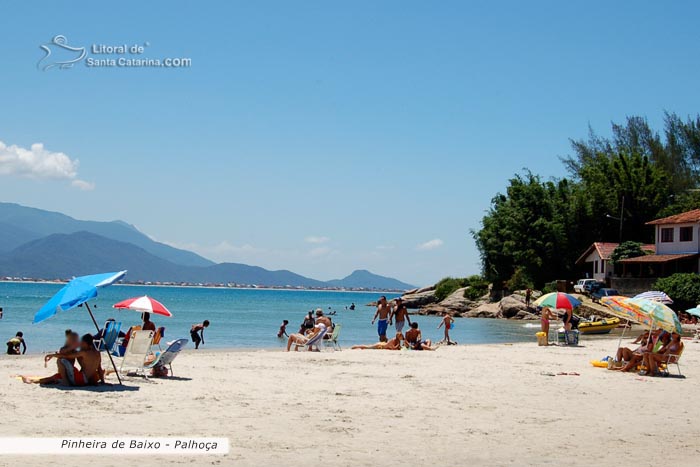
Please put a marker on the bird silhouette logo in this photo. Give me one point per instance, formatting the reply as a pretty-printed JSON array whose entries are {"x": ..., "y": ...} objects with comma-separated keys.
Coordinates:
[{"x": 61, "y": 55}]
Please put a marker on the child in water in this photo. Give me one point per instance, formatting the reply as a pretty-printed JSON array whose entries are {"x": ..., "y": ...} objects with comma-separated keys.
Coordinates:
[{"x": 283, "y": 329}]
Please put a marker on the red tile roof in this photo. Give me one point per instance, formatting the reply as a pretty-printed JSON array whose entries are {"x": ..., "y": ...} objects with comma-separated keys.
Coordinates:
[
  {"x": 605, "y": 250},
  {"x": 689, "y": 217},
  {"x": 658, "y": 258}
]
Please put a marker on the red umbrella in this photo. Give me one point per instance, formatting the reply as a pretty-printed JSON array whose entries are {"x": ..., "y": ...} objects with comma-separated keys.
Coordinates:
[{"x": 144, "y": 304}]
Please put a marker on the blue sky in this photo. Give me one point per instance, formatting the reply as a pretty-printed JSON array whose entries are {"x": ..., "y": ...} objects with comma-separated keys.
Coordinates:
[{"x": 325, "y": 136}]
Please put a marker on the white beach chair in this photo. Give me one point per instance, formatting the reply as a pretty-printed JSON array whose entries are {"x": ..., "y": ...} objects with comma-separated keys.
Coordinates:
[
  {"x": 315, "y": 341},
  {"x": 137, "y": 350}
]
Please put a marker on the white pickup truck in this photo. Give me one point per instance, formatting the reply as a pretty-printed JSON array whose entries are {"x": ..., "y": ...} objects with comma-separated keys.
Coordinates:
[{"x": 580, "y": 286}]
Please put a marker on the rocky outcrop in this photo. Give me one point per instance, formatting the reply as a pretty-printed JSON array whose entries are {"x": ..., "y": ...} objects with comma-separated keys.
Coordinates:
[
  {"x": 511, "y": 305},
  {"x": 455, "y": 305},
  {"x": 420, "y": 298},
  {"x": 485, "y": 310}
]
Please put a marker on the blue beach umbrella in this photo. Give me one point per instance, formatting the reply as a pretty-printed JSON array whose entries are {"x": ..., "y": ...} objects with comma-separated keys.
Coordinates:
[{"x": 76, "y": 293}]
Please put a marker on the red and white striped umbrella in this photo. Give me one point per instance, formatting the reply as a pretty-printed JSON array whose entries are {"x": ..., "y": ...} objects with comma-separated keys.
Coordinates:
[{"x": 144, "y": 304}]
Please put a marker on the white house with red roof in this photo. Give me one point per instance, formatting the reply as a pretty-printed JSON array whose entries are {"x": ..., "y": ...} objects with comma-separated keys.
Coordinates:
[
  {"x": 677, "y": 248},
  {"x": 596, "y": 259}
]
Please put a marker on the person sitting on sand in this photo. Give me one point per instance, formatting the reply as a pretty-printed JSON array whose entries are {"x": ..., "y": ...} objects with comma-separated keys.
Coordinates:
[
  {"x": 90, "y": 372},
  {"x": 651, "y": 347},
  {"x": 391, "y": 344},
  {"x": 283, "y": 329},
  {"x": 667, "y": 354},
  {"x": 300, "y": 339},
  {"x": 72, "y": 343},
  {"x": 447, "y": 322},
  {"x": 13, "y": 345},
  {"x": 197, "y": 333},
  {"x": 414, "y": 339},
  {"x": 399, "y": 313}
]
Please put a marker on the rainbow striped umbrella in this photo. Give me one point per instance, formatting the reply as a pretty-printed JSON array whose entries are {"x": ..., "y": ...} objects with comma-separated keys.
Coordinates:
[
  {"x": 558, "y": 301},
  {"x": 620, "y": 307},
  {"x": 662, "y": 316}
]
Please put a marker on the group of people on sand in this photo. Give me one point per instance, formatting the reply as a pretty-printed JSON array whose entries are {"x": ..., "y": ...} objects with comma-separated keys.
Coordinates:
[
  {"x": 412, "y": 340},
  {"x": 655, "y": 348},
  {"x": 309, "y": 330},
  {"x": 397, "y": 313},
  {"x": 80, "y": 350}
]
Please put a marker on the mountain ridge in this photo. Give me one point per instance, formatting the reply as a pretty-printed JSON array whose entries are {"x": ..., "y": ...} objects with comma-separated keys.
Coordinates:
[{"x": 61, "y": 255}]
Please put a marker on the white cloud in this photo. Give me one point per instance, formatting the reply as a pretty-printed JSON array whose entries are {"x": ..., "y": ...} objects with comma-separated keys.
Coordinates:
[
  {"x": 385, "y": 247},
  {"x": 316, "y": 240},
  {"x": 430, "y": 244},
  {"x": 39, "y": 163},
  {"x": 83, "y": 185}
]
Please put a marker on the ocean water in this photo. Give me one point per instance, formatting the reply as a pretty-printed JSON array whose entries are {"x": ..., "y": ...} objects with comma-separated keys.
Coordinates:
[{"x": 240, "y": 318}]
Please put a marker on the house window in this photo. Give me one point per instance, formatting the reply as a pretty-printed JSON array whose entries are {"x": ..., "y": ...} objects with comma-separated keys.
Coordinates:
[
  {"x": 595, "y": 267},
  {"x": 667, "y": 235},
  {"x": 602, "y": 266},
  {"x": 686, "y": 234}
]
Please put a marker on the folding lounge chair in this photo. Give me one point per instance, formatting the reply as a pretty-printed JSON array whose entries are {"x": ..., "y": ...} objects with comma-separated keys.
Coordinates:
[
  {"x": 313, "y": 342},
  {"x": 138, "y": 348},
  {"x": 167, "y": 357},
  {"x": 109, "y": 336},
  {"x": 671, "y": 360},
  {"x": 160, "y": 333},
  {"x": 332, "y": 341}
]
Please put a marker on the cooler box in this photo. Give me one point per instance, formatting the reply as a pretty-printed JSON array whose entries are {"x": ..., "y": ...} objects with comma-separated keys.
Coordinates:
[
  {"x": 572, "y": 337},
  {"x": 542, "y": 338}
]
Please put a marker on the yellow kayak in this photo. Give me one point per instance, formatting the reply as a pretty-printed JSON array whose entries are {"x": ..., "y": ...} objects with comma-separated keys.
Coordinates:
[{"x": 602, "y": 326}]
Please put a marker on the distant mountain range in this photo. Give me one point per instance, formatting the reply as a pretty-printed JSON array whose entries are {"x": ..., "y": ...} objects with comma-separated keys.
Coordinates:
[{"x": 48, "y": 245}]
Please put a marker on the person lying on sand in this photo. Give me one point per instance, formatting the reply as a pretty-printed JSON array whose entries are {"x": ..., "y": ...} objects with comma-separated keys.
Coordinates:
[
  {"x": 391, "y": 344},
  {"x": 414, "y": 339},
  {"x": 668, "y": 354},
  {"x": 90, "y": 373},
  {"x": 652, "y": 347},
  {"x": 299, "y": 339}
]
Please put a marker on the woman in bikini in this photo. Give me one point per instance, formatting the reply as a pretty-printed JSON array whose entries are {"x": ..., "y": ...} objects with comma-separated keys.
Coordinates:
[{"x": 391, "y": 344}]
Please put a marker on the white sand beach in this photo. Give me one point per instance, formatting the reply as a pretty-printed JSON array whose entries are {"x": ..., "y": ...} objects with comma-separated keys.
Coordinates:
[{"x": 461, "y": 405}]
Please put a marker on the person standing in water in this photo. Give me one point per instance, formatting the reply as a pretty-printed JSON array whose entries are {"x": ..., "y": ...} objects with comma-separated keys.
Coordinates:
[
  {"x": 382, "y": 314},
  {"x": 283, "y": 329},
  {"x": 197, "y": 333},
  {"x": 446, "y": 322}
]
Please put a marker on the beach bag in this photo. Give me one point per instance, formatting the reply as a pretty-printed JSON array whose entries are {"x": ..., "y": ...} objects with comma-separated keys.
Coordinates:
[{"x": 159, "y": 371}]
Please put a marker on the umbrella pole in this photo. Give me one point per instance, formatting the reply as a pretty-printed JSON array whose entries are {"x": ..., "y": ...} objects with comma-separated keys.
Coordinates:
[
  {"x": 109, "y": 354},
  {"x": 619, "y": 341}
]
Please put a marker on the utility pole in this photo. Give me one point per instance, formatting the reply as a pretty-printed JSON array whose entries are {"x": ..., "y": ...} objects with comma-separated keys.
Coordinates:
[{"x": 622, "y": 215}]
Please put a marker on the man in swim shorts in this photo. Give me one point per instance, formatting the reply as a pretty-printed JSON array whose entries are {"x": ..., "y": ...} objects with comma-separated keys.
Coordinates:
[
  {"x": 399, "y": 313},
  {"x": 382, "y": 313}
]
